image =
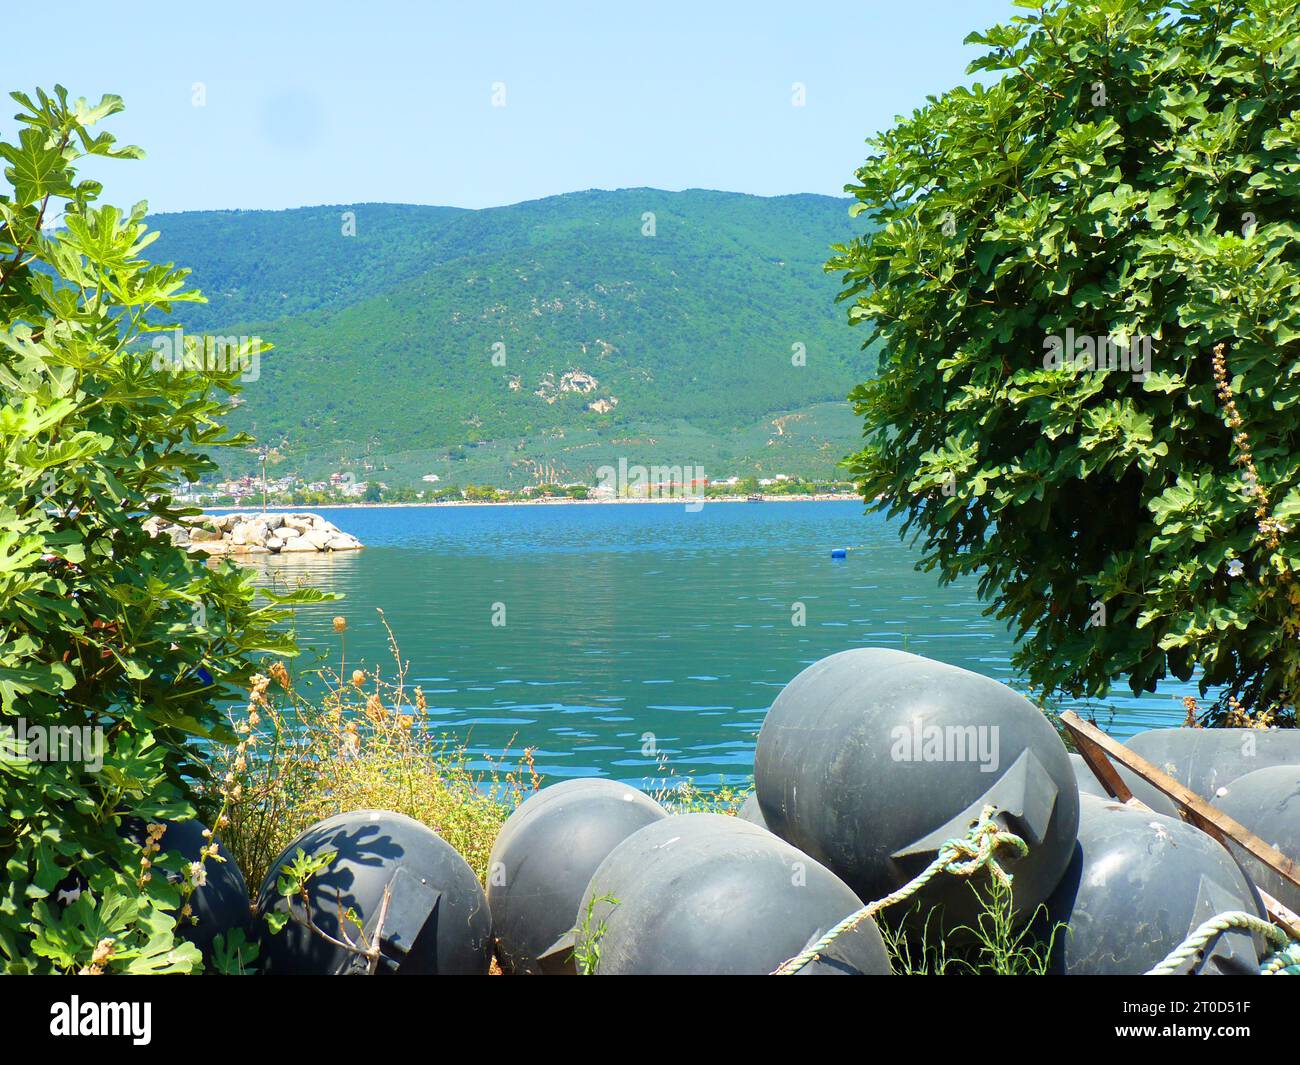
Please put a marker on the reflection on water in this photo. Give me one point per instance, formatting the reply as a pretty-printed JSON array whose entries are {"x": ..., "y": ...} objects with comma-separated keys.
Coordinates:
[{"x": 626, "y": 623}]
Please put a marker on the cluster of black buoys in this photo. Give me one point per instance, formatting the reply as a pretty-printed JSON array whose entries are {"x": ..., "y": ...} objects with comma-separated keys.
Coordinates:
[
  {"x": 867, "y": 763},
  {"x": 871, "y": 759},
  {"x": 592, "y": 872},
  {"x": 543, "y": 859}
]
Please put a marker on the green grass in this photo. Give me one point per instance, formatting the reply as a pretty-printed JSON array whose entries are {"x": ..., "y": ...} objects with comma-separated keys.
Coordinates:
[{"x": 997, "y": 944}]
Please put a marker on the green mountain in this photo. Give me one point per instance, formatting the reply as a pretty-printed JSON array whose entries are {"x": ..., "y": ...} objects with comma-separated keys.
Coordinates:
[{"x": 543, "y": 339}]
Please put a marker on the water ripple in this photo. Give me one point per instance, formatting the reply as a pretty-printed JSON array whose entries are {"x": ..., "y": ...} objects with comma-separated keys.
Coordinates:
[{"x": 612, "y": 607}]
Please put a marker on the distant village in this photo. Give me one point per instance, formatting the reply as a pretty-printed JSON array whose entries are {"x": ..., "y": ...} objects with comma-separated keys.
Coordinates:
[
  {"x": 247, "y": 489},
  {"x": 344, "y": 488}
]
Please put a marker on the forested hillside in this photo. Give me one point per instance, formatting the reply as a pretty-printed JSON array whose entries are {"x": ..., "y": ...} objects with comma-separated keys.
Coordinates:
[{"x": 685, "y": 328}]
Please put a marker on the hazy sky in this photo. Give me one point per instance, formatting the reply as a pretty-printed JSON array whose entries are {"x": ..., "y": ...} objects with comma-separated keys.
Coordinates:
[{"x": 383, "y": 100}]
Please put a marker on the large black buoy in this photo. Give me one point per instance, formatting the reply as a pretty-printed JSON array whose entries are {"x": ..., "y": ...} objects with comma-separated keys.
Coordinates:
[
  {"x": 1267, "y": 802},
  {"x": 1207, "y": 759},
  {"x": 543, "y": 859},
  {"x": 710, "y": 894},
  {"x": 1090, "y": 785},
  {"x": 751, "y": 811},
  {"x": 437, "y": 919},
  {"x": 1138, "y": 884},
  {"x": 871, "y": 759},
  {"x": 220, "y": 904}
]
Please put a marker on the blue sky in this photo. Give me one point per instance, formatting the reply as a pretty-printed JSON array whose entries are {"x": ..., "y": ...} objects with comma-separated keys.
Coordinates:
[{"x": 345, "y": 102}]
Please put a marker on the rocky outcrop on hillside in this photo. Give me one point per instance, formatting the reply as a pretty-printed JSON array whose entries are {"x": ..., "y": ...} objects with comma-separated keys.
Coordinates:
[{"x": 256, "y": 534}]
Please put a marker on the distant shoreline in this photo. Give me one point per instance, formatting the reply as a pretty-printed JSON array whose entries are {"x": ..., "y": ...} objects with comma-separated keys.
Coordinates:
[{"x": 679, "y": 500}]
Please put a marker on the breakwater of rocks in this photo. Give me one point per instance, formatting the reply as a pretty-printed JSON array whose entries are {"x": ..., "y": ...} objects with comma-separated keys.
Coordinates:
[{"x": 255, "y": 534}]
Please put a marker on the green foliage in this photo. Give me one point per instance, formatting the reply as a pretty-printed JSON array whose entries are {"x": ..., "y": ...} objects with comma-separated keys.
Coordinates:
[
  {"x": 107, "y": 636},
  {"x": 683, "y": 795},
  {"x": 998, "y": 944},
  {"x": 588, "y": 934},
  {"x": 384, "y": 340},
  {"x": 1003, "y": 945},
  {"x": 233, "y": 954},
  {"x": 292, "y": 883},
  {"x": 1133, "y": 174}
]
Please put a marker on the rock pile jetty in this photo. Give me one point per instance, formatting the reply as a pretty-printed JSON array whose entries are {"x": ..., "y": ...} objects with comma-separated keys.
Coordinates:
[{"x": 255, "y": 534}]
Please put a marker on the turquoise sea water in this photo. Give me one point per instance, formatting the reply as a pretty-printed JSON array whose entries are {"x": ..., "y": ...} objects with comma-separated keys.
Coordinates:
[{"x": 631, "y": 625}]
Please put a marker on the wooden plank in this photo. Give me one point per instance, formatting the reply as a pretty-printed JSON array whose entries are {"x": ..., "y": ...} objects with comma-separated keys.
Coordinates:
[
  {"x": 1098, "y": 749},
  {"x": 1282, "y": 915},
  {"x": 1101, "y": 768}
]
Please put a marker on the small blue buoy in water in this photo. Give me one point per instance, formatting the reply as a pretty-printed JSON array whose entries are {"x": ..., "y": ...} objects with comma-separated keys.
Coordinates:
[{"x": 839, "y": 552}]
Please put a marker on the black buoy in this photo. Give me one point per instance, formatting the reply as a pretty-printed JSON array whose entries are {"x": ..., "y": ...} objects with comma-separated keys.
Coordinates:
[
  {"x": 871, "y": 759},
  {"x": 711, "y": 894},
  {"x": 1138, "y": 884},
  {"x": 543, "y": 859},
  {"x": 220, "y": 904},
  {"x": 1207, "y": 759},
  {"x": 1267, "y": 802},
  {"x": 1090, "y": 785},
  {"x": 437, "y": 919},
  {"x": 751, "y": 811}
]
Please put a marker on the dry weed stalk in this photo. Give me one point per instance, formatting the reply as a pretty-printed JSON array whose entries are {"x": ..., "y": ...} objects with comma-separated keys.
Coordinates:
[{"x": 331, "y": 741}]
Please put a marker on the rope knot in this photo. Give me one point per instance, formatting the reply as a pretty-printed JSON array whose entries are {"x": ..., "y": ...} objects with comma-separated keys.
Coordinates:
[{"x": 976, "y": 850}]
